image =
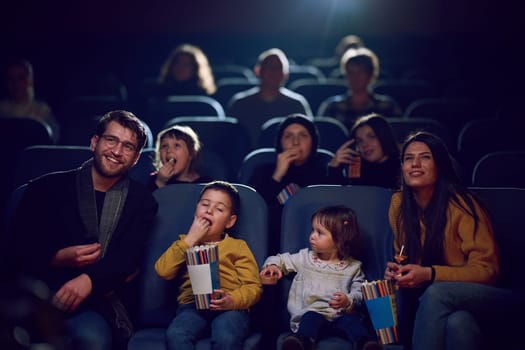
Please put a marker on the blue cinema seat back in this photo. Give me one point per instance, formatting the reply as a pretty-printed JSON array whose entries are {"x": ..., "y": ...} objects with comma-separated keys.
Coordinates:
[
  {"x": 35, "y": 161},
  {"x": 144, "y": 167},
  {"x": 226, "y": 137},
  {"x": 371, "y": 207},
  {"x": 500, "y": 169},
  {"x": 316, "y": 91},
  {"x": 8, "y": 214},
  {"x": 267, "y": 155},
  {"x": 506, "y": 206},
  {"x": 160, "y": 110},
  {"x": 158, "y": 299}
]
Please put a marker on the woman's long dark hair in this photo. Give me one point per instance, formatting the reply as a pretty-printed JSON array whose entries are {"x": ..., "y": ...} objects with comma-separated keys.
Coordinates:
[
  {"x": 434, "y": 217},
  {"x": 383, "y": 131}
]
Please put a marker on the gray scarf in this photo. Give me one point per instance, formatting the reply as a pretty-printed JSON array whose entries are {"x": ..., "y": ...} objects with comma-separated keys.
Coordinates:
[{"x": 111, "y": 210}]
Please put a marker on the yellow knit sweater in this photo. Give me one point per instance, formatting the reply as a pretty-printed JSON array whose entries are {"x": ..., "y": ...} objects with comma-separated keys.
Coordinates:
[
  {"x": 238, "y": 270},
  {"x": 469, "y": 257}
]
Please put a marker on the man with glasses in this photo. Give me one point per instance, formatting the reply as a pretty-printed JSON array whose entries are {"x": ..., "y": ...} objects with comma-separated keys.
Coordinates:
[{"x": 83, "y": 233}]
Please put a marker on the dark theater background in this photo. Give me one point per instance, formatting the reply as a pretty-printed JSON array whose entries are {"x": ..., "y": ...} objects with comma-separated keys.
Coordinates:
[
  {"x": 463, "y": 49},
  {"x": 130, "y": 39}
]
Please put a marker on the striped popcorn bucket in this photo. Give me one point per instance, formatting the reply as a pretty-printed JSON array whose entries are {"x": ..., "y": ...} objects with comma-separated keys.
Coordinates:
[
  {"x": 203, "y": 268},
  {"x": 380, "y": 301}
]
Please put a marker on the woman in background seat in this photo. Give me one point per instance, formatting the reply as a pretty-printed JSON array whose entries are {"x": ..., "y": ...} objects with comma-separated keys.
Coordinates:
[
  {"x": 373, "y": 148},
  {"x": 186, "y": 71}
]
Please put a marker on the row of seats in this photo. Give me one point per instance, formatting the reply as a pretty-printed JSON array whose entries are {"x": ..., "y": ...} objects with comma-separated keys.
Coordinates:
[
  {"x": 157, "y": 305},
  {"x": 452, "y": 113},
  {"x": 318, "y": 94},
  {"x": 502, "y": 168},
  {"x": 226, "y": 143},
  {"x": 302, "y": 78}
]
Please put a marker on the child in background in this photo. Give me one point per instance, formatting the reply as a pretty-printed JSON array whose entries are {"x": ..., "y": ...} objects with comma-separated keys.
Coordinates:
[
  {"x": 228, "y": 318},
  {"x": 326, "y": 291},
  {"x": 176, "y": 151}
]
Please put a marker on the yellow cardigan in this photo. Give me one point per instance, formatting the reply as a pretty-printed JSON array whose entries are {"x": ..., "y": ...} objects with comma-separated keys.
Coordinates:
[
  {"x": 469, "y": 257},
  {"x": 238, "y": 270}
]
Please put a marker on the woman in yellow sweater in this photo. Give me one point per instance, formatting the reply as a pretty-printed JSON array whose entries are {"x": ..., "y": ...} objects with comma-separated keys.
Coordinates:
[{"x": 447, "y": 237}]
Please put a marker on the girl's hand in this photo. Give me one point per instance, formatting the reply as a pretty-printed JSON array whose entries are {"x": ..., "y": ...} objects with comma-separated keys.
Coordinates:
[
  {"x": 284, "y": 159},
  {"x": 339, "y": 300},
  {"x": 412, "y": 275},
  {"x": 221, "y": 300},
  {"x": 344, "y": 155},
  {"x": 270, "y": 275},
  {"x": 198, "y": 230},
  {"x": 165, "y": 173}
]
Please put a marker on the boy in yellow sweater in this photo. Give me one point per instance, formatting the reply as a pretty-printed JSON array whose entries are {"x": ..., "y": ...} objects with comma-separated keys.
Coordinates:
[{"x": 227, "y": 319}]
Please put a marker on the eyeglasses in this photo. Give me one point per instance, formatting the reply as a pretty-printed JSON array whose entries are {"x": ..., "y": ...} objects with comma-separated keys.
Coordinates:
[{"x": 113, "y": 141}]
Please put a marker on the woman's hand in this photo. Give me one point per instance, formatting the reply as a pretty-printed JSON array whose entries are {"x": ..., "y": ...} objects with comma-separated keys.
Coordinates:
[
  {"x": 391, "y": 271},
  {"x": 412, "y": 275},
  {"x": 284, "y": 159},
  {"x": 344, "y": 155}
]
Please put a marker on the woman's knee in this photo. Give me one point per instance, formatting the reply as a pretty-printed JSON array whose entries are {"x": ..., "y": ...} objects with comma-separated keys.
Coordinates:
[
  {"x": 461, "y": 320},
  {"x": 436, "y": 293}
]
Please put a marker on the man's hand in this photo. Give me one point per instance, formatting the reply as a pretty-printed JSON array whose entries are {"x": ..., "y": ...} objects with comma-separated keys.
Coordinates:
[
  {"x": 77, "y": 255},
  {"x": 72, "y": 293}
]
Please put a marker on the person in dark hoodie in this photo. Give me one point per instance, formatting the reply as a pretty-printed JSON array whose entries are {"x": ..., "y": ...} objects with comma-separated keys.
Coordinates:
[{"x": 297, "y": 165}]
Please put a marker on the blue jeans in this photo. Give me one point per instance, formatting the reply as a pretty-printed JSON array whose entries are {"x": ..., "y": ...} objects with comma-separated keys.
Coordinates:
[
  {"x": 88, "y": 330},
  {"x": 314, "y": 326},
  {"x": 228, "y": 329},
  {"x": 453, "y": 315}
]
